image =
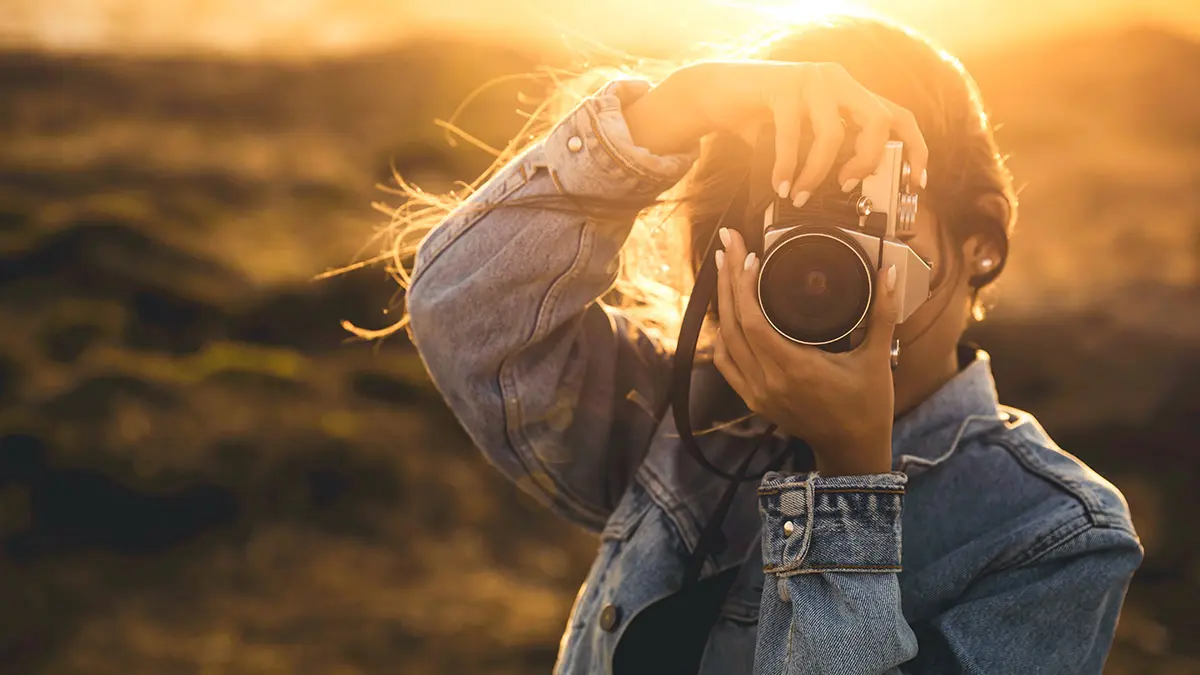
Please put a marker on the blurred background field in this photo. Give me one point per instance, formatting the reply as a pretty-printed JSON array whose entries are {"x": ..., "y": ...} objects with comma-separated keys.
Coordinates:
[{"x": 199, "y": 473}]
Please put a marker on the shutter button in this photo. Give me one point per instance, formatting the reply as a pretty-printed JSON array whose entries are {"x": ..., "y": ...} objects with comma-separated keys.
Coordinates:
[
  {"x": 608, "y": 618},
  {"x": 575, "y": 144}
]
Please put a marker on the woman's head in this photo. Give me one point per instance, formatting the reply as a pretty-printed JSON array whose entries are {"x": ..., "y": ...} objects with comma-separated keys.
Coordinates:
[{"x": 967, "y": 210}]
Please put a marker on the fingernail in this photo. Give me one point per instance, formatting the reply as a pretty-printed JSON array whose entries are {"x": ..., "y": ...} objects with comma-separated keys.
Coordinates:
[
  {"x": 784, "y": 188},
  {"x": 924, "y": 178},
  {"x": 889, "y": 281},
  {"x": 724, "y": 232},
  {"x": 720, "y": 258},
  {"x": 849, "y": 185},
  {"x": 801, "y": 198},
  {"x": 749, "y": 261}
]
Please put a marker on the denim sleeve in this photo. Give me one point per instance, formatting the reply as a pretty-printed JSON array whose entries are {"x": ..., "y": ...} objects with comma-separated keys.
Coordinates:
[
  {"x": 831, "y": 551},
  {"x": 1055, "y": 614},
  {"x": 831, "y": 548},
  {"x": 554, "y": 389}
]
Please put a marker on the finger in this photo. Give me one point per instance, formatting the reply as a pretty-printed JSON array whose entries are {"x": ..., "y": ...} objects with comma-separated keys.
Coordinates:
[
  {"x": 788, "y": 112},
  {"x": 875, "y": 123},
  {"x": 883, "y": 314},
  {"x": 828, "y": 134},
  {"x": 731, "y": 330},
  {"x": 728, "y": 367},
  {"x": 904, "y": 124},
  {"x": 737, "y": 246},
  {"x": 763, "y": 339}
]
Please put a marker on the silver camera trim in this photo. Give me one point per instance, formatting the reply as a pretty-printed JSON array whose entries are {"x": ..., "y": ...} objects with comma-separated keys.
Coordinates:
[{"x": 885, "y": 190}]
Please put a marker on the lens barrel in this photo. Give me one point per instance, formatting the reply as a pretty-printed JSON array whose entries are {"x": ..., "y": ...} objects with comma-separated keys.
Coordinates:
[{"x": 815, "y": 285}]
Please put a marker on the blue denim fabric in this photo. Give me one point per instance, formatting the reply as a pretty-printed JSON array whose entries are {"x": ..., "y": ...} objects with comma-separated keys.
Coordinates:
[{"x": 987, "y": 549}]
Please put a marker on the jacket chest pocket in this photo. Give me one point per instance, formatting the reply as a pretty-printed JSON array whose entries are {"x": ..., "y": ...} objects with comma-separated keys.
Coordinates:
[
  {"x": 606, "y": 571},
  {"x": 630, "y": 512}
]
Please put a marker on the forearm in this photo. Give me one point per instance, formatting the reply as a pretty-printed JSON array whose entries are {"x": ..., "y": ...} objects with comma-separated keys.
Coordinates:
[{"x": 503, "y": 313}]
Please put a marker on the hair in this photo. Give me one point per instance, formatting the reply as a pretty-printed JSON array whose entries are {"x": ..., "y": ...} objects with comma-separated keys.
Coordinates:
[{"x": 970, "y": 189}]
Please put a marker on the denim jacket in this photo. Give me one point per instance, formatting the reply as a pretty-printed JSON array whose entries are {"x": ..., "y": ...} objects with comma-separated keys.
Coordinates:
[{"x": 1016, "y": 555}]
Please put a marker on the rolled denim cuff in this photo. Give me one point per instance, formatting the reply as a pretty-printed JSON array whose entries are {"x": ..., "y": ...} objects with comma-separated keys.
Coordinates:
[
  {"x": 591, "y": 153},
  {"x": 835, "y": 524}
]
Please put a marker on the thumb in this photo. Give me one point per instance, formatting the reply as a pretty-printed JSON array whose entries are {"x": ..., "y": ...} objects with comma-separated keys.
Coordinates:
[{"x": 883, "y": 313}]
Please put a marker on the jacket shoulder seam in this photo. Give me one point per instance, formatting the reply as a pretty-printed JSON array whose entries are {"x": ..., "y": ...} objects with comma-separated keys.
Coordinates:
[
  {"x": 1074, "y": 529},
  {"x": 1046, "y": 544},
  {"x": 1095, "y": 511}
]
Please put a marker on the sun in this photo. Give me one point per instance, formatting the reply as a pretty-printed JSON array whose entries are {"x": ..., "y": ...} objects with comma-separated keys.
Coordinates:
[{"x": 799, "y": 11}]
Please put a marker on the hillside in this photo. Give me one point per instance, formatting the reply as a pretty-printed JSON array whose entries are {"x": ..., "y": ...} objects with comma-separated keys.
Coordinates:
[{"x": 199, "y": 471}]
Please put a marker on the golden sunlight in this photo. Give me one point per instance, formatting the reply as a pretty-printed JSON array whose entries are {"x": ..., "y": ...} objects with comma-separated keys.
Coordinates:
[{"x": 295, "y": 28}]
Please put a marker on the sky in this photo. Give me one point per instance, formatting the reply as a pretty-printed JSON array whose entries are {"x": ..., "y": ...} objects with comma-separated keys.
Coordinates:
[{"x": 317, "y": 27}]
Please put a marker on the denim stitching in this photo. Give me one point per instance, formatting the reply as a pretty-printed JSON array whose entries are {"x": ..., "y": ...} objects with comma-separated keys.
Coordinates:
[
  {"x": 787, "y": 660},
  {"x": 806, "y": 543},
  {"x": 1034, "y": 465},
  {"x": 554, "y": 491},
  {"x": 449, "y": 225},
  {"x": 611, "y": 150},
  {"x": 863, "y": 491},
  {"x": 586, "y": 241},
  {"x": 515, "y": 420},
  {"x": 682, "y": 520},
  {"x": 1049, "y": 541},
  {"x": 906, "y": 460},
  {"x": 557, "y": 183}
]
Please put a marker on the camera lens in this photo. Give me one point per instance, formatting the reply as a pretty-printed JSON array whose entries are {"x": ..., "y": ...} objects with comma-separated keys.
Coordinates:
[{"x": 815, "y": 287}]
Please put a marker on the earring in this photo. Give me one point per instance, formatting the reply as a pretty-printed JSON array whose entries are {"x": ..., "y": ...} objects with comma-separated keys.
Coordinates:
[{"x": 986, "y": 264}]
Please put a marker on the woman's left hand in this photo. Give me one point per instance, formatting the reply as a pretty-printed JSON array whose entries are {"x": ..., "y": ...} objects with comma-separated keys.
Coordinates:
[{"x": 842, "y": 404}]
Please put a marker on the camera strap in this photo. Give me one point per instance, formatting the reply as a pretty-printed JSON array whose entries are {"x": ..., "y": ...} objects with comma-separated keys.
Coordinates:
[{"x": 747, "y": 198}]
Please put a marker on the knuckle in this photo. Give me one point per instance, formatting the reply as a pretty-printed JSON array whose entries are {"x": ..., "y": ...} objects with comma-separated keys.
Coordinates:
[
  {"x": 785, "y": 101},
  {"x": 837, "y": 133},
  {"x": 750, "y": 399},
  {"x": 805, "y": 76},
  {"x": 835, "y": 70}
]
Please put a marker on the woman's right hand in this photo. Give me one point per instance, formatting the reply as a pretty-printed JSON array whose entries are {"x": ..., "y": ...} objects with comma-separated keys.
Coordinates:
[{"x": 738, "y": 96}]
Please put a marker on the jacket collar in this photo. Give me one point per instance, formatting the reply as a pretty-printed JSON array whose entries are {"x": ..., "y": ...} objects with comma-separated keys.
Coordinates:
[{"x": 964, "y": 406}]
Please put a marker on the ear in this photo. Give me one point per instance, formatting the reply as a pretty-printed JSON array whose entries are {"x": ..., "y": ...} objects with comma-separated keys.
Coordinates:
[
  {"x": 984, "y": 252},
  {"x": 981, "y": 254}
]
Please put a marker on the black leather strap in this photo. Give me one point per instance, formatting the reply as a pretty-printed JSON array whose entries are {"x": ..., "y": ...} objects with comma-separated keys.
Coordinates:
[{"x": 751, "y": 198}]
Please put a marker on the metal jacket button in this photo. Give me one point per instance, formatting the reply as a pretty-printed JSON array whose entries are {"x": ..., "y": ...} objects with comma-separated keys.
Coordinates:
[
  {"x": 574, "y": 144},
  {"x": 609, "y": 617}
]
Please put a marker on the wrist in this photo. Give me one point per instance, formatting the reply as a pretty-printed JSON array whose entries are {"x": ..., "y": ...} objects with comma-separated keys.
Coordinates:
[
  {"x": 667, "y": 119},
  {"x": 855, "y": 460}
]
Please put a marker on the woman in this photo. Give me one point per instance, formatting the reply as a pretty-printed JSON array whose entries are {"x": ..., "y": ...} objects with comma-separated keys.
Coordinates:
[{"x": 544, "y": 308}]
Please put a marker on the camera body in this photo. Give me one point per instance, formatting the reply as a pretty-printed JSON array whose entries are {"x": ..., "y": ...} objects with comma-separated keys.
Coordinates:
[{"x": 816, "y": 283}]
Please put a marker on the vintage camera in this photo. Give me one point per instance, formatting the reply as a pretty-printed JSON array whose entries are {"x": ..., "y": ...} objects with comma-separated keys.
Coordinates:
[{"x": 817, "y": 278}]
